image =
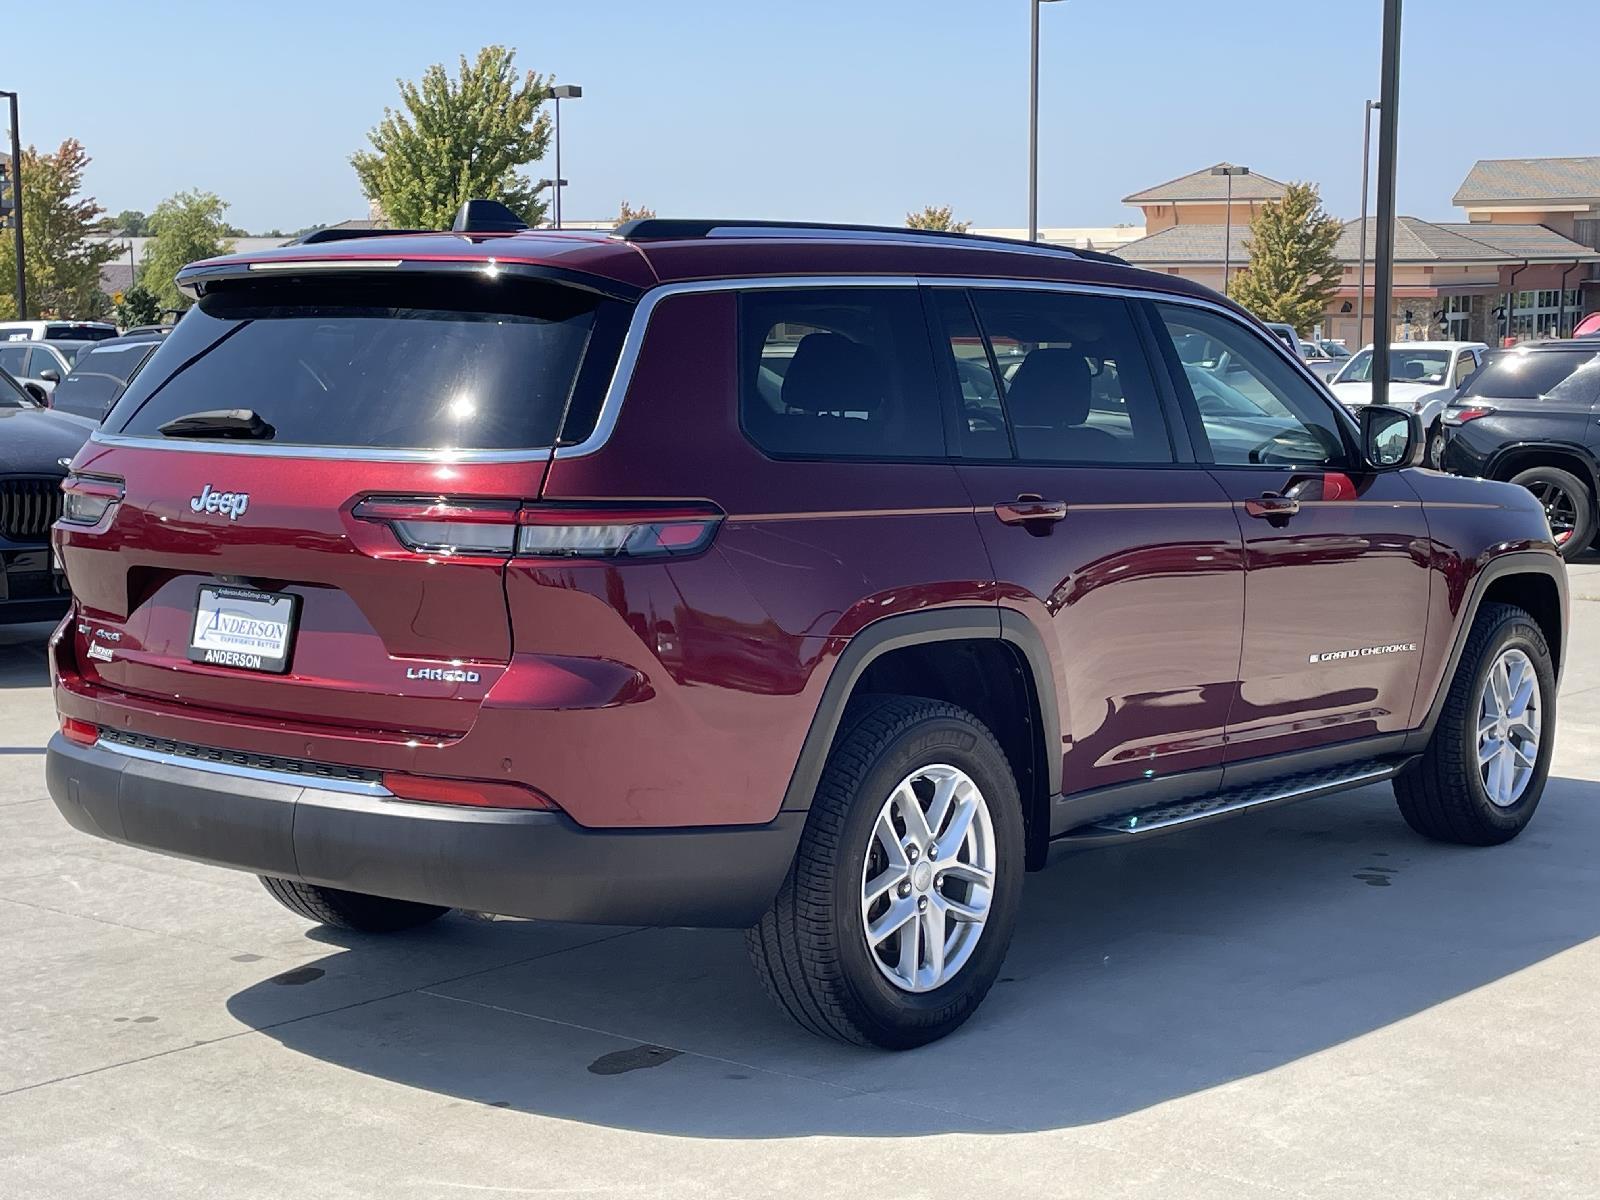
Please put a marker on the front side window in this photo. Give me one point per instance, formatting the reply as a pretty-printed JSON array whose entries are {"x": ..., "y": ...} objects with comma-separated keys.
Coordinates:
[
  {"x": 1254, "y": 408},
  {"x": 838, "y": 373},
  {"x": 1072, "y": 378},
  {"x": 13, "y": 355}
]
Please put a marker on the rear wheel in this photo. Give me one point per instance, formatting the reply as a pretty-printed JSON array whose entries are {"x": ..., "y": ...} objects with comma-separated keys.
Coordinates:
[
  {"x": 896, "y": 915},
  {"x": 1481, "y": 776},
  {"x": 1436, "y": 444},
  {"x": 349, "y": 910},
  {"x": 1568, "y": 506}
]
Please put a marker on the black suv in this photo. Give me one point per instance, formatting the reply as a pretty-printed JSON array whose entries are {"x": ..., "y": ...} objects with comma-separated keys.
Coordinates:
[{"x": 1532, "y": 416}]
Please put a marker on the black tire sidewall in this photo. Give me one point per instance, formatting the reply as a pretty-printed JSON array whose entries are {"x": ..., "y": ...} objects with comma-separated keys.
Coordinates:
[
  {"x": 1515, "y": 632},
  {"x": 895, "y": 1013}
]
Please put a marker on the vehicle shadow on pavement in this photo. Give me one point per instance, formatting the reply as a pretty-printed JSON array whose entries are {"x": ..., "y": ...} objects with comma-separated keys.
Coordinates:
[
  {"x": 23, "y": 661},
  {"x": 1139, "y": 974}
]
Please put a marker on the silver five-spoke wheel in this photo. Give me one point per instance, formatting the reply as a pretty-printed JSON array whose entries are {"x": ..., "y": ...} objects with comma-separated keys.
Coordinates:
[
  {"x": 928, "y": 879},
  {"x": 1509, "y": 720}
]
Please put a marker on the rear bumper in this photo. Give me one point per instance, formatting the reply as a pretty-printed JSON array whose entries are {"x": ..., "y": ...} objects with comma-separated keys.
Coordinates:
[{"x": 514, "y": 863}]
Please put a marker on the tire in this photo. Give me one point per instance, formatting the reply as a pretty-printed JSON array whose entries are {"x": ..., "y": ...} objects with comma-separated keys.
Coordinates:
[
  {"x": 1435, "y": 452},
  {"x": 1569, "y": 506},
  {"x": 1446, "y": 795},
  {"x": 349, "y": 910},
  {"x": 811, "y": 948}
]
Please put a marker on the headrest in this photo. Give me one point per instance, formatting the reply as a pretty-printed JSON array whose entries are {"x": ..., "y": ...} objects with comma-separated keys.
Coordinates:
[
  {"x": 830, "y": 373},
  {"x": 1051, "y": 388}
]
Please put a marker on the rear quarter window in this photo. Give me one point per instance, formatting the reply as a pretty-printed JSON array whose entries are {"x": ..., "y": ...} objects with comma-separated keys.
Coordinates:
[
  {"x": 838, "y": 373},
  {"x": 397, "y": 364}
]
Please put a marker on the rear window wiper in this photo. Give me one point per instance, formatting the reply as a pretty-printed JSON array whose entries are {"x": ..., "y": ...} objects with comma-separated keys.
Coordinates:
[{"x": 219, "y": 422}]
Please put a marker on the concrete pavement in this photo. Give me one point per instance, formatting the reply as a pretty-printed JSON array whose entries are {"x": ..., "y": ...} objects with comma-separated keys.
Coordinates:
[{"x": 1308, "y": 1002}]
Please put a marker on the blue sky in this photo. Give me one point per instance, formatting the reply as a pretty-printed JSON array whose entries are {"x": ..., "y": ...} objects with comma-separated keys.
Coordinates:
[{"x": 828, "y": 110}]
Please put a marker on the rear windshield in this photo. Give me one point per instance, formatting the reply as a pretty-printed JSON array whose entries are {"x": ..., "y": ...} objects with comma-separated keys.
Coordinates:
[
  {"x": 87, "y": 333},
  {"x": 1563, "y": 375},
  {"x": 97, "y": 377},
  {"x": 418, "y": 364}
]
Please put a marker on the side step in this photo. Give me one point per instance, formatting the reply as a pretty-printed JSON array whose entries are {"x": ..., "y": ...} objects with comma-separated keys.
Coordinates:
[{"x": 1142, "y": 821}]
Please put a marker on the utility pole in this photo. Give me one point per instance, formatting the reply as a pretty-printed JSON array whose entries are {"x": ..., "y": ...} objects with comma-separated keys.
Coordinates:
[
  {"x": 16, "y": 208},
  {"x": 1361, "y": 274},
  {"x": 1388, "y": 114}
]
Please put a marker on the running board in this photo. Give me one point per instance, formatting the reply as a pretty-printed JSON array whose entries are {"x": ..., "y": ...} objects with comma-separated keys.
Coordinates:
[{"x": 1142, "y": 821}]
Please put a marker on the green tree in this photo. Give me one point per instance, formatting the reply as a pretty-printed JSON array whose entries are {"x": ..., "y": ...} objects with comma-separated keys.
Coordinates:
[
  {"x": 136, "y": 306},
  {"x": 61, "y": 267},
  {"x": 183, "y": 228},
  {"x": 940, "y": 218},
  {"x": 1292, "y": 272},
  {"x": 458, "y": 139},
  {"x": 629, "y": 213},
  {"x": 130, "y": 222}
]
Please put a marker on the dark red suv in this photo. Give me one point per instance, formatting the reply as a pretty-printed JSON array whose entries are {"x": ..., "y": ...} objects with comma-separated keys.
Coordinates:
[{"x": 813, "y": 580}]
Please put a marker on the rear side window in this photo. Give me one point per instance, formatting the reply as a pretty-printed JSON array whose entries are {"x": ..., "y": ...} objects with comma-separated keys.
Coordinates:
[
  {"x": 1073, "y": 379},
  {"x": 1563, "y": 376},
  {"x": 396, "y": 364},
  {"x": 97, "y": 378},
  {"x": 838, "y": 373}
]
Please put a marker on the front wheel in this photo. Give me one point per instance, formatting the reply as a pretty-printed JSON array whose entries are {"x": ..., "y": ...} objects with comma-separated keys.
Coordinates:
[
  {"x": 1481, "y": 776},
  {"x": 893, "y": 921},
  {"x": 1436, "y": 445},
  {"x": 1568, "y": 506}
]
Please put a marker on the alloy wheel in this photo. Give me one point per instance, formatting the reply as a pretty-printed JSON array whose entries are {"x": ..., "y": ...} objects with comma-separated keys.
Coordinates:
[
  {"x": 928, "y": 879},
  {"x": 1509, "y": 723},
  {"x": 1560, "y": 509}
]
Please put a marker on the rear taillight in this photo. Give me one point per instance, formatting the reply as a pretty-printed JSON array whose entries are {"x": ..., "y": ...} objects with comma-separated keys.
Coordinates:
[
  {"x": 84, "y": 733},
  {"x": 1460, "y": 416},
  {"x": 87, "y": 498},
  {"x": 441, "y": 525},
  {"x": 449, "y": 526},
  {"x": 474, "y": 793}
]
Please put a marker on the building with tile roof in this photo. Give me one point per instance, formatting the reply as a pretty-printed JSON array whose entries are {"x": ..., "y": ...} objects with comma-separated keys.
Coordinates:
[{"x": 1521, "y": 266}]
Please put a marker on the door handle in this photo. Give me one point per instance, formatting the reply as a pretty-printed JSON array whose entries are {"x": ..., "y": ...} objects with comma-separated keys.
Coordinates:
[
  {"x": 1032, "y": 511},
  {"x": 1270, "y": 506}
]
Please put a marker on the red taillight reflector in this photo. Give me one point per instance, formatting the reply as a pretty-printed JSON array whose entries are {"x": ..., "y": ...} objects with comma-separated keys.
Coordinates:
[
  {"x": 84, "y": 733},
  {"x": 606, "y": 531},
  {"x": 444, "y": 524},
  {"x": 1460, "y": 416},
  {"x": 475, "y": 793}
]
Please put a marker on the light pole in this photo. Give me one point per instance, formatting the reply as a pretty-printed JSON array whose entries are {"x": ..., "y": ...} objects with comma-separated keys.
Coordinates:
[
  {"x": 1383, "y": 275},
  {"x": 1033, "y": 120},
  {"x": 1361, "y": 273},
  {"x": 1229, "y": 171},
  {"x": 555, "y": 187},
  {"x": 565, "y": 91},
  {"x": 16, "y": 208}
]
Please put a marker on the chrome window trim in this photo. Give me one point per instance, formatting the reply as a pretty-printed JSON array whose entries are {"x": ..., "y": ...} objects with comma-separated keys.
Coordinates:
[
  {"x": 633, "y": 343},
  {"x": 355, "y": 787}
]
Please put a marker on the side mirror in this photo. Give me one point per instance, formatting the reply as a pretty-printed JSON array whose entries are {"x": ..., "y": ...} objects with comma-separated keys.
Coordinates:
[
  {"x": 50, "y": 375},
  {"x": 1390, "y": 437},
  {"x": 37, "y": 394}
]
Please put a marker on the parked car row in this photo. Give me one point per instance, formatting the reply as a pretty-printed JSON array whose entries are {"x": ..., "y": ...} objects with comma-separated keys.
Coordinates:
[{"x": 58, "y": 381}]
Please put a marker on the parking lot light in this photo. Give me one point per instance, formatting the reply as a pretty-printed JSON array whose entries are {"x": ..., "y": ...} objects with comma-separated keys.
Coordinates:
[
  {"x": 1229, "y": 171},
  {"x": 16, "y": 207},
  {"x": 1033, "y": 122},
  {"x": 564, "y": 91}
]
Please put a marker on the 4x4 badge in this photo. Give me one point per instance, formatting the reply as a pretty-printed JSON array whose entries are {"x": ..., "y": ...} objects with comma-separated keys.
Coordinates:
[{"x": 232, "y": 503}]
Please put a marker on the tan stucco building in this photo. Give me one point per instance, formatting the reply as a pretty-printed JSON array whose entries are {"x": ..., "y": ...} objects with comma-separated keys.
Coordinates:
[{"x": 1528, "y": 246}]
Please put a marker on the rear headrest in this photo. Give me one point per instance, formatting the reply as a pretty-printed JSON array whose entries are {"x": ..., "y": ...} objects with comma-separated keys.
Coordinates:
[
  {"x": 1051, "y": 387},
  {"x": 830, "y": 373}
]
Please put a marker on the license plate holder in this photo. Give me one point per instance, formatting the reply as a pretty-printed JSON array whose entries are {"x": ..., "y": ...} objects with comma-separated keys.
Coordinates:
[{"x": 244, "y": 628}]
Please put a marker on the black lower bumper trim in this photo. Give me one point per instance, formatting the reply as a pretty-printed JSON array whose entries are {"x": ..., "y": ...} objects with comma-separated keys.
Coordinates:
[{"x": 511, "y": 862}]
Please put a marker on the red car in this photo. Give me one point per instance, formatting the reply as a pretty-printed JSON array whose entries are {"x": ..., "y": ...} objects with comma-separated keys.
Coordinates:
[{"x": 809, "y": 580}]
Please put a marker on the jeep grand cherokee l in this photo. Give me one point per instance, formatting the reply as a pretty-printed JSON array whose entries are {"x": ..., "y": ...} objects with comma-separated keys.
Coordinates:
[{"x": 806, "y": 580}]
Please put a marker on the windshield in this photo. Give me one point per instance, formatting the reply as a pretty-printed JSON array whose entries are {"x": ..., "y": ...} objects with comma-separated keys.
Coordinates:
[
  {"x": 1405, "y": 366},
  {"x": 97, "y": 378},
  {"x": 440, "y": 364},
  {"x": 1561, "y": 375}
]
